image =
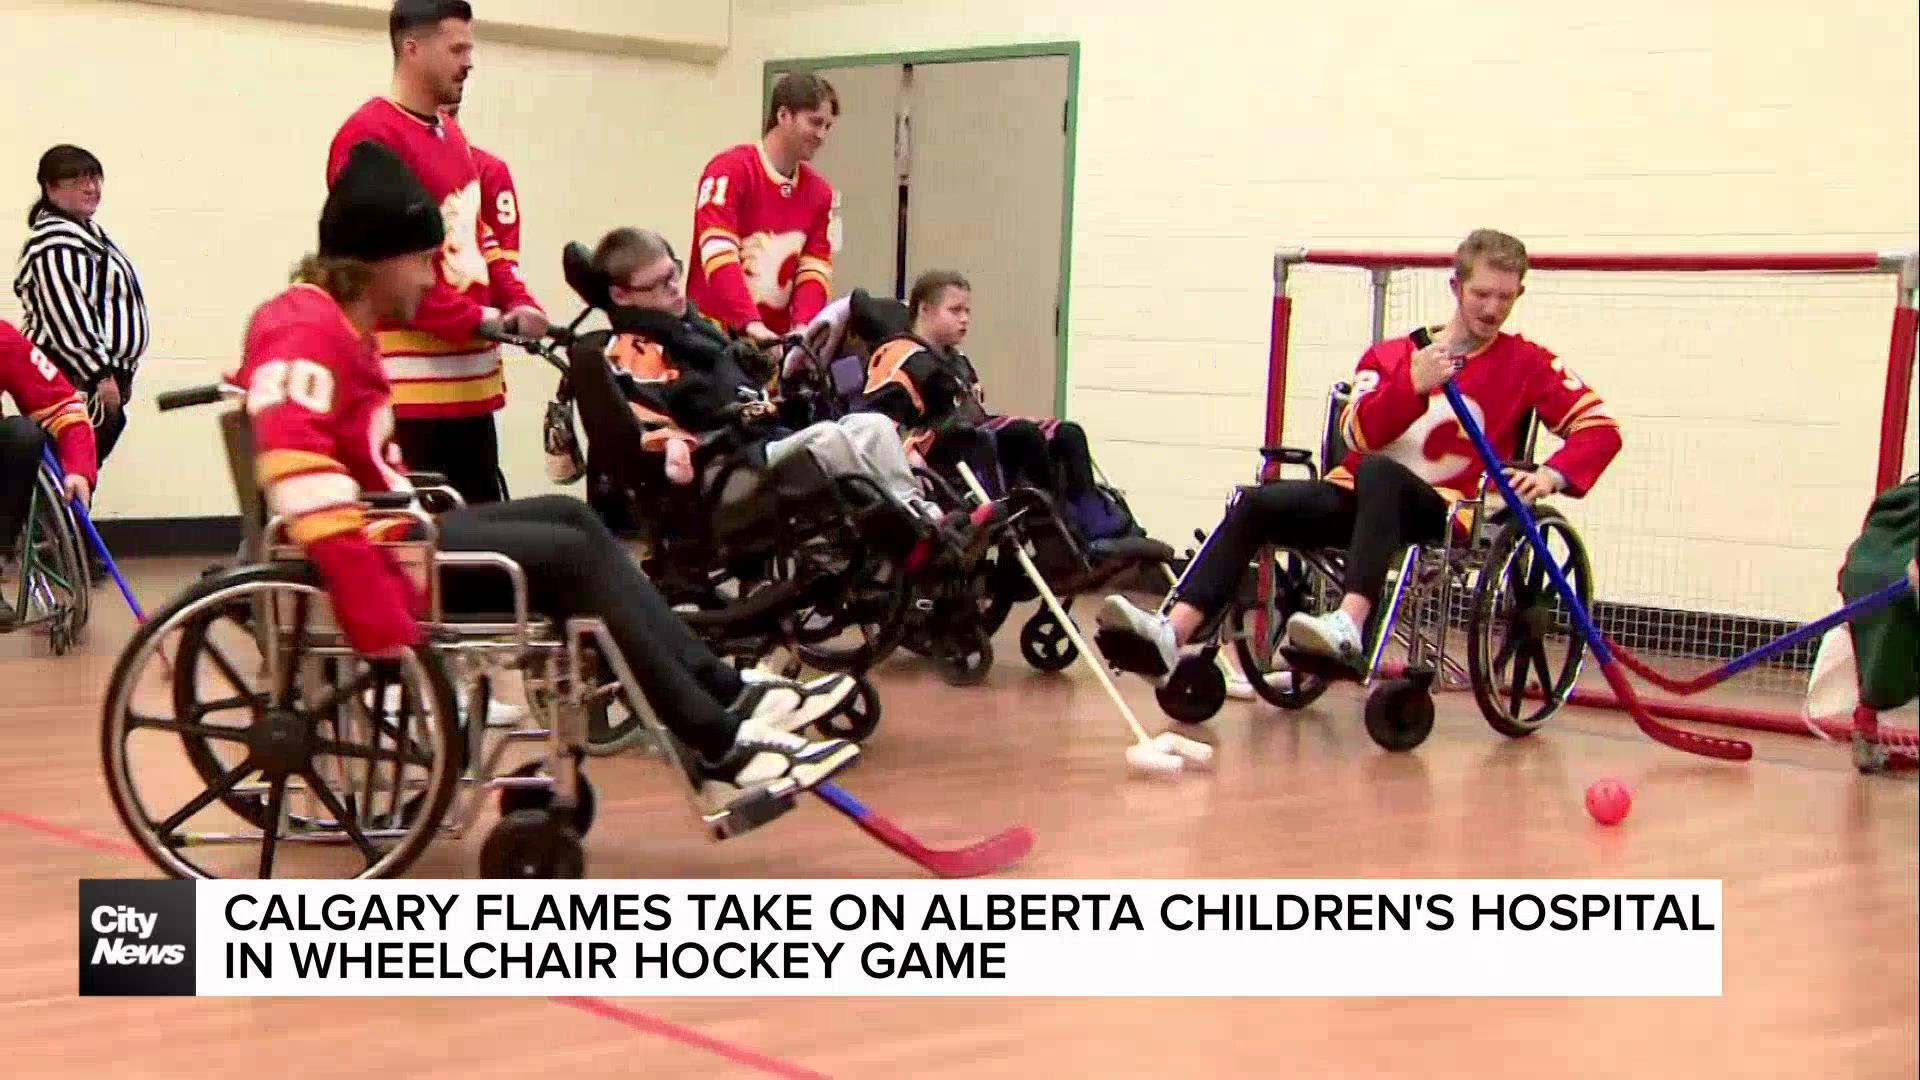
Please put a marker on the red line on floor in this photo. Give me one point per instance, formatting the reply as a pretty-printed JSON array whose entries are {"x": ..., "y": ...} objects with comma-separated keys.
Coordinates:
[
  {"x": 79, "y": 837},
  {"x": 640, "y": 1021},
  {"x": 606, "y": 1010}
]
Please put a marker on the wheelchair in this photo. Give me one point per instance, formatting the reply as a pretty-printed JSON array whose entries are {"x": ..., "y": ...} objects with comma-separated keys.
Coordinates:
[
  {"x": 55, "y": 587},
  {"x": 352, "y": 766},
  {"x": 1524, "y": 653},
  {"x": 756, "y": 558},
  {"x": 953, "y": 620}
]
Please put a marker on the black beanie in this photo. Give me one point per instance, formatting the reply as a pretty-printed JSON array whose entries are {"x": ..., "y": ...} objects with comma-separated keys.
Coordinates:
[{"x": 378, "y": 209}]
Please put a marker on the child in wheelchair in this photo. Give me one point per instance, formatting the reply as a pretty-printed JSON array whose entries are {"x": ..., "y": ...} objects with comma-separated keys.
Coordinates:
[
  {"x": 1407, "y": 464},
  {"x": 50, "y": 409},
  {"x": 702, "y": 402},
  {"x": 922, "y": 380},
  {"x": 318, "y": 400}
]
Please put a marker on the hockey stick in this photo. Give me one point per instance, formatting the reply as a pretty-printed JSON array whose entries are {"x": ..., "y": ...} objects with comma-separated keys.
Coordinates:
[
  {"x": 85, "y": 521},
  {"x": 1882, "y": 597},
  {"x": 1690, "y": 741},
  {"x": 988, "y": 856}
]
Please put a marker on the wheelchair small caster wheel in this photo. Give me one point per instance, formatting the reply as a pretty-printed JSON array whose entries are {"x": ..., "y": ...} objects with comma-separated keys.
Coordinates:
[
  {"x": 1045, "y": 645},
  {"x": 532, "y": 845},
  {"x": 1399, "y": 715},
  {"x": 965, "y": 658},
  {"x": 857, "y": 719},
  {"x": 514, "y": 799},
  {"x": 1195, "y": 692}
]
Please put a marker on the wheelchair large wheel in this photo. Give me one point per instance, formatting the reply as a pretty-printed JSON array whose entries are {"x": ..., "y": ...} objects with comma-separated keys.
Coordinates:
[
  {"x": 334, "y": 766},
  {"x": 56, "y": 589},
  {"x": 858, "y": 611},
  {"x": 1257, "y": 647},
  {"x": 1524, "y": 653}
]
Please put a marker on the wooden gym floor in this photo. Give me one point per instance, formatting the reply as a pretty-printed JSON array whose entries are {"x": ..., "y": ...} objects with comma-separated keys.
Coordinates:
[{"x": 1820, "y": 865}]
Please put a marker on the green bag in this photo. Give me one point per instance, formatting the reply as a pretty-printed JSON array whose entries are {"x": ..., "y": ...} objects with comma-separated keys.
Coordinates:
[{"x": 1886, "y": 643}]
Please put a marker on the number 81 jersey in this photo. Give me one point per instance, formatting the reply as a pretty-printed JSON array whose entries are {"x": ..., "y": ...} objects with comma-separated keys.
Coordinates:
[{"x": 322, "y": 414}]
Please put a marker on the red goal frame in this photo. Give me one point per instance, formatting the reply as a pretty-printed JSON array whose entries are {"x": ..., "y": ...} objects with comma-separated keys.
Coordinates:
[{"x": 1902, "y": 266}]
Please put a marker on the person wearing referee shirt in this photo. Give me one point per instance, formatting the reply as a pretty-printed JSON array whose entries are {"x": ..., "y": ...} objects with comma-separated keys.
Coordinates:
[{"x": 82, "y": 298}]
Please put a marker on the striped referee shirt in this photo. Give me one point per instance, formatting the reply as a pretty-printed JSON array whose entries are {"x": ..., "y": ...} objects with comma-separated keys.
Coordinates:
[{"x": 83, "y": 301}]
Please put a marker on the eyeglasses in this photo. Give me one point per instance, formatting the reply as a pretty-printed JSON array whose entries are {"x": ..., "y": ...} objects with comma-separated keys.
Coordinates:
[{"x": 672, "y": 277}]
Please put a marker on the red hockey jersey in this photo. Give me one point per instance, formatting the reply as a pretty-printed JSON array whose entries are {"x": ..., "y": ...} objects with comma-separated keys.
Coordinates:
[
  {"x": 1500, "y": 383},
  {"x": 499, "y": 208},
  {"x": 437, "y": 366},
  {"x": 763, "y": 243},
  {"x": 322, "y": 428},
  {"x": 44, "y": 395}
]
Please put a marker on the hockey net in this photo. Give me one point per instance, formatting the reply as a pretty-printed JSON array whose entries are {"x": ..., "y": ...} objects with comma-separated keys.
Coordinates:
[{"x": 1763, "y": 399}]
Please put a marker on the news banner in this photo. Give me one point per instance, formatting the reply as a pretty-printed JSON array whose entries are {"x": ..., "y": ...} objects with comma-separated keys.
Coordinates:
[{"x": 878, "y": 938}]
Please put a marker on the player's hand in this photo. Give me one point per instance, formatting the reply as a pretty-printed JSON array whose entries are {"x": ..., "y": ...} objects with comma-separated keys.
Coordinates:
[
  {"x": 1430, "y": 367},
  {"x": 108, "y": 394},
  {"x": 76, "y": 487},
  {"x": 523, "y": 321},
  {"x": 1530, "y": 486},
  {"x": 758, "y": 333}
]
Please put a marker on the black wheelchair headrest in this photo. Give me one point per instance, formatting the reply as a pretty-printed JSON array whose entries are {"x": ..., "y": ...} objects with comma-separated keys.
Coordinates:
[
  {"x": 576, "y": 264},
  {"x": 875, "y": 319},
  {"x": 613, "y": 432}
]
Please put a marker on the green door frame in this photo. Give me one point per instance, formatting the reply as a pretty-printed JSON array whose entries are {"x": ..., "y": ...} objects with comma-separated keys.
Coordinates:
[{"x": 1068, "y": 49}]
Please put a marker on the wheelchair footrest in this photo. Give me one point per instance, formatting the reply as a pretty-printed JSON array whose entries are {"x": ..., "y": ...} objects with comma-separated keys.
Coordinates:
[
  {"x": 1321, "y": 667},
  {"x": 749, "y": 814}
]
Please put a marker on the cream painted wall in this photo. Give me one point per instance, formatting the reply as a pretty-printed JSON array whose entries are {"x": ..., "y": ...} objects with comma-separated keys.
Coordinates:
[
  {"x": 1211, "y": 137},
  {"x": 214, "y": 131},
  {"x": 1206, "y": 140}
]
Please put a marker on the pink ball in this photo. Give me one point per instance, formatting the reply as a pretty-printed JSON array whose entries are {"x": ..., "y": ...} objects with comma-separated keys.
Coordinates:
[{"x": 1608, "y": 801}]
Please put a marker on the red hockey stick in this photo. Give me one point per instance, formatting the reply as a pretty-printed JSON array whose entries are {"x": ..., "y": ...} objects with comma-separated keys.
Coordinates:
[{"x": 989, "y": 856}]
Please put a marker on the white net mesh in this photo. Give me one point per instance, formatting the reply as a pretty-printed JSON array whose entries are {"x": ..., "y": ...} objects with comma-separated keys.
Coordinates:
[{"x": 1750, "y": 406}]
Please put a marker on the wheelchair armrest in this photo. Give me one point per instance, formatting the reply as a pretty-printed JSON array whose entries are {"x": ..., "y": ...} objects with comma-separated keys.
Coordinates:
[
  {"x": 387, "y": 500},
  {"x": 1286, "y": 455}
]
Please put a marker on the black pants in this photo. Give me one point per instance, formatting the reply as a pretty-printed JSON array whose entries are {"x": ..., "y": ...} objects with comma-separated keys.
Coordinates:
[
  {"x": 1015, "y": 453},
  {"x": 1388, "y": 508},
  {"x": 1072, "y": 458},
  {"x": 575, "y": 567},
  {"x": 107, "y": 432},
  {"x": 20, "y": 443},
  {"x": 465, "y": 450}
]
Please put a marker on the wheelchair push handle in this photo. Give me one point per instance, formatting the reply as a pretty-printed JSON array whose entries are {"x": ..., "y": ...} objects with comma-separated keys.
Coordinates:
[
  {"x": 542, "y": 346},
  {"x": 210, "y": 394}
]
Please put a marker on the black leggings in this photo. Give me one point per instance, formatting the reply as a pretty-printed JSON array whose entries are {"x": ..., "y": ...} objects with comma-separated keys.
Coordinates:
[
  {"x": 575, "y": 567},
  {"x": 1016, "y": 452},
  {"x": 20, "y": 443},
  {"x": 1072, "y": 458},
  {"x": 1388, "y": 508}
]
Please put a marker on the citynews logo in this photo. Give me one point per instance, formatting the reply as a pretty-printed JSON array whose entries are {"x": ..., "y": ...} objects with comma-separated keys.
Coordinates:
[
  {"x": 119, "y": 950},
  {"x": 136, "y": 938}
]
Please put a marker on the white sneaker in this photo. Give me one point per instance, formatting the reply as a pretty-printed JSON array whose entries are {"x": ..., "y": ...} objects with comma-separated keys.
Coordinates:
[
  {"x": 1332, "y": 635},
  {"x": 766, "y": 761},
  {"x": 504, "y": 714},
  {"x": 789, "y": 705},
  {"x": 1133, "y": 640}
]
